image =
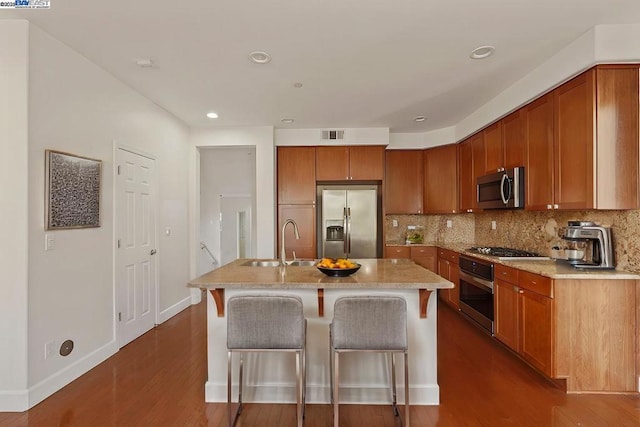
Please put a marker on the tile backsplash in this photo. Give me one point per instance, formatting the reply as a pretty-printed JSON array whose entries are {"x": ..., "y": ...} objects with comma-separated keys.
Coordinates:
[{"x": 533, "y": 231}]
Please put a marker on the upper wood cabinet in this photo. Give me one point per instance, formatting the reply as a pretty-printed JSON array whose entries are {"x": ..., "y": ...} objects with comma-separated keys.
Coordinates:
[
  {"x": 513, "y": 139},
  {"x": 471, "y": 165},
  {"x": 403, "y": 181},
  {"x": 363, "y": 163},
  {"x": 539, "y": 169},
  {"x": 493, "y": 149},
  {"x": 596, "y": 140},
  {"x": 296, "y": 175},
  {"x": 441, "y": 179},
  {"x": 466, "y": 187}
]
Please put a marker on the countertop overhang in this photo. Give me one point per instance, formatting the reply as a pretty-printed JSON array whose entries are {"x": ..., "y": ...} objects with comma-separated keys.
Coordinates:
[{"x": 374, "y": 274}]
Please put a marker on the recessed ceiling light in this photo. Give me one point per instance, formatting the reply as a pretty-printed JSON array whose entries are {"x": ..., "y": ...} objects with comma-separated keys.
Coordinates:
[
  {"x": 482, "y": 52},
  {"x": 259, "y": 57},
  {"x": 420, "y": 118},
  {"x": 287, "y": 120},
  {"x": 297, "y": 85},
  {"x": 212, "y": 115}
]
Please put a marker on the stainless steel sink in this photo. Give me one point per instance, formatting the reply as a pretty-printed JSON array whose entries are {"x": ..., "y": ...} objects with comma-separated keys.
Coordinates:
[
  {"x": 262, "y": 263},
  {"x": 302, "y": 263},
  {"x": 276, "y": 263}
]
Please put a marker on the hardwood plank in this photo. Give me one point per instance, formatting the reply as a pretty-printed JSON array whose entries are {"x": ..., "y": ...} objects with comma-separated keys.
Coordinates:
[{"x": 158, "y": 380}]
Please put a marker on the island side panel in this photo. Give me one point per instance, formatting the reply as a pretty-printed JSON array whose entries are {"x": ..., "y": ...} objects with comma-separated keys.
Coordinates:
[{"x": 269, "y": 377}]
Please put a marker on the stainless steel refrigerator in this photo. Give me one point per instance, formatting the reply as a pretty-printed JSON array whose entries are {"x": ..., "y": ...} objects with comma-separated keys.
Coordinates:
[{"x": 349, "y": 223}]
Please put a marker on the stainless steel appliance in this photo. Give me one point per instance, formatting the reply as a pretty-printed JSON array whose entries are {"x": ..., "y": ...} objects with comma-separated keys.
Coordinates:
[
  {"x": 590, "y": 245},
  {"x": 476, "y": 291},
  {"x": 349, "y": 223},
  {"x": 501, "y": 190},
  {"x": 506, "y": 254}
]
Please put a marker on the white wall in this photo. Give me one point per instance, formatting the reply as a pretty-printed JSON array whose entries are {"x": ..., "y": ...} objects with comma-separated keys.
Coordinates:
[
  {"x": 601, "y": 44},
  {"x": 76, "y": 107},
  {"x": 262, "y": 139},
  {"x": 352, "y": 136},
  {"x": 13, "y": 214},
  {"x": 223, "y": 170}
]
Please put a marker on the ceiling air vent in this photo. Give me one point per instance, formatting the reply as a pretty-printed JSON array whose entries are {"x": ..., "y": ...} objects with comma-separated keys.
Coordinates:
[{"x": 332, "y": 134}]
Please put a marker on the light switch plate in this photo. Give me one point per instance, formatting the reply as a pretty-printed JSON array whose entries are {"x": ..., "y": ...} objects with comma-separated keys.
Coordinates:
[
  {"x": 493, "y": 225},
  {"x": 49, "y": 242},
  {"x": 449, "y": 223}
]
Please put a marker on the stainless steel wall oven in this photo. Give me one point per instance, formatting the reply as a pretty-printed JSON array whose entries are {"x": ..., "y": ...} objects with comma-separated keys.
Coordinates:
[{"x": 476, "y": 291}]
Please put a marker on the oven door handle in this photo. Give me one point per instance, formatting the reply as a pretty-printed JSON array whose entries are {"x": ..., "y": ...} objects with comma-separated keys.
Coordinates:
[{"x": 477, "y": 281}]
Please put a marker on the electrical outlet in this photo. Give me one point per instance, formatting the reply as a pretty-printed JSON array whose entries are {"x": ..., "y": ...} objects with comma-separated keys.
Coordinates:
[
  {"x": 493, "y": 225},
  {"x": 394, "y": 222},
  {"x": 449, "y": 223},
  {"x": 49, "y": 349}
]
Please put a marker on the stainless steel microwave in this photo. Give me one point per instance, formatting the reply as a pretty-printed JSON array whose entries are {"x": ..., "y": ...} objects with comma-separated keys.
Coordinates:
[{"x": 501, "y": 190}]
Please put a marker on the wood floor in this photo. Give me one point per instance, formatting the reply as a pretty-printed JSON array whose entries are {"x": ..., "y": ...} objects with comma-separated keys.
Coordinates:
[{"x": 158, "y": 380}]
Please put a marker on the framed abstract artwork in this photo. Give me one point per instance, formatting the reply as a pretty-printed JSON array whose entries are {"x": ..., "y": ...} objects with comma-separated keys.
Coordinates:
[{"x": 72, "y": 191}]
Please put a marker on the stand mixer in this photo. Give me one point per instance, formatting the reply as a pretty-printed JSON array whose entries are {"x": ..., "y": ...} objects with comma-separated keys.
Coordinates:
[{"x": 591, "y": 245}]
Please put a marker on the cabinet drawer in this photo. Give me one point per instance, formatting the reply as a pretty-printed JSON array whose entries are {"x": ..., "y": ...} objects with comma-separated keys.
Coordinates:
[
  {"x": 535, "y": 283},
  {"x": 449, "y": 255},
  {"x": 397, "y": 252},
  {"x": 506, "y": 274},
  {"x": 422, "y": 251}
]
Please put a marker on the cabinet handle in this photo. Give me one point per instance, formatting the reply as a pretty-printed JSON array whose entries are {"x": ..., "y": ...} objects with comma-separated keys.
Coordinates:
[
  {"x": 534, "y": 282},
  {"x": 504, "y": 273},
  {"x": 520, "y": 291}
]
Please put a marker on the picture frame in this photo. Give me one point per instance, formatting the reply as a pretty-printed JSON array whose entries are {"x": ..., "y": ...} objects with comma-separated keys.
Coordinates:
[{"x": 73, "y": 191}]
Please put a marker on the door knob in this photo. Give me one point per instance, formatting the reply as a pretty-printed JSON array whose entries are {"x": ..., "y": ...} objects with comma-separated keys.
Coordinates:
[{"x": 153, "y": 252}]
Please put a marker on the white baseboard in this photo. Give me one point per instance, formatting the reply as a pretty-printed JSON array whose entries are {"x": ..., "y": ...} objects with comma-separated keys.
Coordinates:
[
  {"x": 373, "y": 395},
  {"x": 55, "y": 382},
  {"x": 174, "y": 309},
  {"x": 14, "y": 400},
  {"x": 196, "y": 296}
]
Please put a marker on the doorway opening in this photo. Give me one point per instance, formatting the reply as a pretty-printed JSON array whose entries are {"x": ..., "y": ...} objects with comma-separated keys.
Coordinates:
[{"x": 227, "y": 205}]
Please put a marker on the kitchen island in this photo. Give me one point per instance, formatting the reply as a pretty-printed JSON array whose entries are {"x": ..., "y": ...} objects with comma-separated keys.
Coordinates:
[{"x": 364, "y": 377}]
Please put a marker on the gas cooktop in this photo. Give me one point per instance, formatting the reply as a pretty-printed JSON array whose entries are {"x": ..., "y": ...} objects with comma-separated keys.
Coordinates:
[{"x": 506, "y": 254}]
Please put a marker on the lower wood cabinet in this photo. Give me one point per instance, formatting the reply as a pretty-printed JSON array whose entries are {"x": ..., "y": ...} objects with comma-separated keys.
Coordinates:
[
  {"x": 448, "y": 268},
  {"x": 397, "y": 252},
  {"x": 536, "y": 330},
  {"x": 523, "y": 318},
  {"x": 564, "y": 328},
  {"x": 426, "y": 256},
  {"x": 305, "y": 218}
]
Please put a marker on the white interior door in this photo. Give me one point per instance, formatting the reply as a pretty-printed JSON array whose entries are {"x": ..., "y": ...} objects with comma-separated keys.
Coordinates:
[
  {"x": 136, "y": 284},
  {"x": 235, "y": 227}
]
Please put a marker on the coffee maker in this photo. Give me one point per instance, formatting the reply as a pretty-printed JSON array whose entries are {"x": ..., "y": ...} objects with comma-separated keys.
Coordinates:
[{"x": 589, "y": 245}]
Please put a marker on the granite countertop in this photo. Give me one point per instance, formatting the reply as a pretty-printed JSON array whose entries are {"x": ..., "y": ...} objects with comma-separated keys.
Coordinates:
[
  {"x": 374, "y": 274},
  {"x": 549, "y": 268}
]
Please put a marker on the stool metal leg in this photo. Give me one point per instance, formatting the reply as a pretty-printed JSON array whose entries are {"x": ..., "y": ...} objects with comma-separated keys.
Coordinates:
[
  {"x": 393, "y": 385},
  {"x": 407, "y": 421},
  {"x": 240, "y": 384},
  {"x": 299, "y": 368},
  {"x": 336, "y": 384},
  {"x": 232, "y": 419}
]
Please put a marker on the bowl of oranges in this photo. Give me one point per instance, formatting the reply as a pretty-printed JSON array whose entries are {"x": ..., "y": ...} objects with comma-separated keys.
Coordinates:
[{"x": 339, "y": 267}]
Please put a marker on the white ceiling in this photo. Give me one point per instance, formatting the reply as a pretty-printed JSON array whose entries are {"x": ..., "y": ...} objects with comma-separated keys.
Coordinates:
[{"x": 362, "y": 63}]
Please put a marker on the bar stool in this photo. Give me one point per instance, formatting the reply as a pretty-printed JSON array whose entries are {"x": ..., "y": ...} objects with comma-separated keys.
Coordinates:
[
  {"x": 266, "y": 323},
  {"x": 372, "y": 324}
]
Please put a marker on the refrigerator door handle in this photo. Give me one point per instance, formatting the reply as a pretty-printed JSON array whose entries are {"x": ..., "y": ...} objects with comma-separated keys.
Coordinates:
[
  {"x": 348, "y": 251},
  {"x": 345, "y": 229}
]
